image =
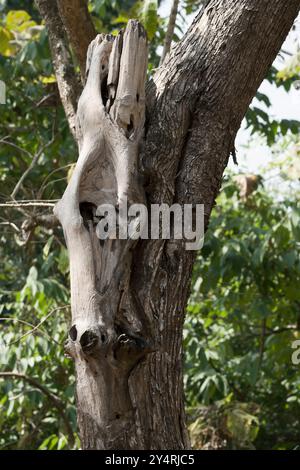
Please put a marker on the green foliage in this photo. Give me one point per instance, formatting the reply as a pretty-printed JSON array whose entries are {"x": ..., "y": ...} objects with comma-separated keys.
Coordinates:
[
  {"x": 112, "y": 16},
  {"x": 243, "y": 314},
  {"x": 34, "y": 297},
  {"x": 34, "y": 321},
  {"x": 17, "y": 26},
  {"x": 5, "y": 37},
  {"x": 291, "y": 69},
  {"x": 258, "y": 119},
  {"x": 148, "y": 16},
  {"x": 190, "y": 6}
]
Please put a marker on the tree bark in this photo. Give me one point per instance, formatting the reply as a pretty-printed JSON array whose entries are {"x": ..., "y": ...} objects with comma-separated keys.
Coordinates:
[
  {"x": 79, "y": 27},
  {"x": 128, "y": 297},
  {"x": 67, "y": 82}
]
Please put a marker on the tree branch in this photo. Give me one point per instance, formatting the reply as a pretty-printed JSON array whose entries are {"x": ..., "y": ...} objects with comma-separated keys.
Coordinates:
[
  {"x": 36, "y": 327},
  {"x": 67, "y": 81},
  {"x": 235, "y": 57},
  {"x": 80, "y": 28},
  {"x": 170, "y": 31},
  {"x": 22, "y": 322},
  {"x": 206, "y": 85},
  {"x": 34, "y": 161},
  {"x": 17, "y": 204},
  {"x": 10, "y": 224},
  {"x": 48, "y": 221},
  {"x": 17, "y": 147}
]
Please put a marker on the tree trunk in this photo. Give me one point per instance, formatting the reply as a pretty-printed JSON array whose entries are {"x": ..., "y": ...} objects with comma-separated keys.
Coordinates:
[{"x": 128, "y": 296}]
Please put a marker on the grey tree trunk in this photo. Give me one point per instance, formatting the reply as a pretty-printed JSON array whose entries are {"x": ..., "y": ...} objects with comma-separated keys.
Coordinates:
[{"x": 128, "y": 297}]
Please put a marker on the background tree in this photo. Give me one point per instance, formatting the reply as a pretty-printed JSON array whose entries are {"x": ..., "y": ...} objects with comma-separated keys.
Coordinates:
[{"x": 205, "y": 73}]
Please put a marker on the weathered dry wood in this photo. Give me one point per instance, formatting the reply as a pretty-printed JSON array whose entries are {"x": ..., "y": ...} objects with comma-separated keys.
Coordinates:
[
  {"x": 114, "y": 68},
  {"x": 108, "y": 334}
]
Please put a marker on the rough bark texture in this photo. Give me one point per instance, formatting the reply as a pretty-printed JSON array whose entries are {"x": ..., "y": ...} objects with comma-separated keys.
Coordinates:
[
  {"x": 128, "y": 297},
  {"x": 79, "y": 27},
  {"x": 67, "y": 81}
]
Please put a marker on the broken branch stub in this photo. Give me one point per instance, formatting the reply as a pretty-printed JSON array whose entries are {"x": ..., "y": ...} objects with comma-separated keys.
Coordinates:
[{"x": 108, "y": 334}]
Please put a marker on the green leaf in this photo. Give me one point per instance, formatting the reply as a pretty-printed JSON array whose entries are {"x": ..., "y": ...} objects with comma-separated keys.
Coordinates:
[
  {"x": 6, "y": 49},
  {"x": 19, "y": 21},
  {"x": 262, "y": 97},
  {"x": 63, "y": 261},
  {"x": 148, "y": 16},
  {"x": 31, "y": 281},
  {"x": 47, "y": 247}
]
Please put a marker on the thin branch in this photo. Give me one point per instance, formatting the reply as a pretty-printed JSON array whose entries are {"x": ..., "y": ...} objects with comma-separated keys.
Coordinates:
[
  {"x": 44, "y": 185},
  {"x": 57, "y": 402},
  {"x": 52, "y": 201},
  {"x": 34, "y": 161},
  {"x": 28, "y": 204},
  {"x": 23, "y": 322},
  {"x": 170, "y": 31},
  {"x": 270, "y": 332},
  {"x": 27, "y": 324},
  {"x": 63, "y": 178},
  {"x": 48, "y": 221},
  {"x": 11, "y": 144},
  {"x": 281, "y": 330},
  {"x": 11, "y": 224},
  {"x": 37, "y": 327}
]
